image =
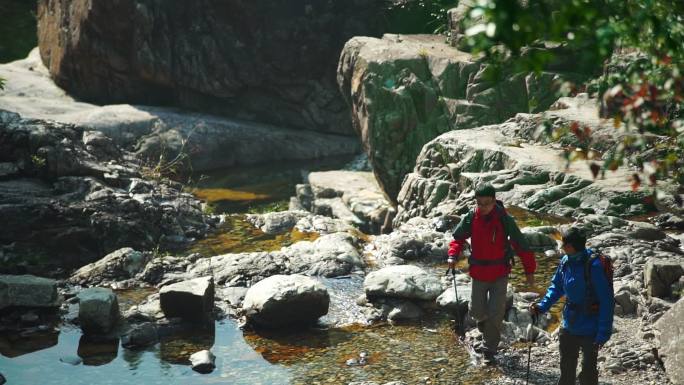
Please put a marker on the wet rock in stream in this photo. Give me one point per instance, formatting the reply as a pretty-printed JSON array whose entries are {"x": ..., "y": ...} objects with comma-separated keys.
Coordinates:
[
  {"x": 203, "y": 361},
  {"x": 28, "y": 291},
  {"x": 286, "y": 300},
  {"x": 98, "y": 310},
  {"x": 192, "y": 299}
]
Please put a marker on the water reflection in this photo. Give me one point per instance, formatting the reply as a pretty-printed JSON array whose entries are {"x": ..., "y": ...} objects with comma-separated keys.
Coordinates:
[
  {"x": 178, "y": 347},
  {"x": 236, "y": 235},
  {"x": 258, "y": 188},
  {"x": 289, "y": 347},
  {"x": 96, "y": 351},
  {"x": 14, "y": 344}
]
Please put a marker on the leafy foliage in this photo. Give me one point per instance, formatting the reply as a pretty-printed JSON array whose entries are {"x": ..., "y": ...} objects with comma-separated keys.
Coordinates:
[{"x": 639, "y": 43}]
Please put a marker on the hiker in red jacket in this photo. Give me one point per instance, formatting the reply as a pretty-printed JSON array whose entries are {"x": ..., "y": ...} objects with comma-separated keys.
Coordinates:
[{"x": 494, "y": 238}]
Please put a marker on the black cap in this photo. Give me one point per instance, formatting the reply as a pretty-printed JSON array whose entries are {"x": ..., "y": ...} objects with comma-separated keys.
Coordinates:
[{"x": 485, "y": 190}]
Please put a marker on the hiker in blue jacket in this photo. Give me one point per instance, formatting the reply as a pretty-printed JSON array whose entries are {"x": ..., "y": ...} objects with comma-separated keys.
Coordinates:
[{"x": 588, "y": 312}]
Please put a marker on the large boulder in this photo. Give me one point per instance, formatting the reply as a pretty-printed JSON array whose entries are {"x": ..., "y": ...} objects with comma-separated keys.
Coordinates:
[
  {"x": 405, "y": 90},
  {"x": 286, "y": 300},
  {"x": 28, "y": 291},
  {"x": 671, "y": 350},
  {"x": 121, "y": 264},
  {"x": 98, "y": 310},
  {"x": 192, "y": 299},
  {"x": 402, "y": 281},
  {"x": 262, "y": 60},
  {"x": 659, "y": 275}
]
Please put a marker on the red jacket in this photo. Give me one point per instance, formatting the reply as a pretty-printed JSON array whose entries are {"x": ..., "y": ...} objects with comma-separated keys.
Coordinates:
[{"x": 489, "y": 245}]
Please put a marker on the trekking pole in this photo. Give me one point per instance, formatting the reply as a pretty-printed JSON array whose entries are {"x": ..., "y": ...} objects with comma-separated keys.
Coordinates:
[
  {"x": 529, "y": 348},
  {"x": 458, "y": 310}
]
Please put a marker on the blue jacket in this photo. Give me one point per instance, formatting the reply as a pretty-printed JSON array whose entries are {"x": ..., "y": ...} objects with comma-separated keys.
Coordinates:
[{"x": 569, "y": 281}]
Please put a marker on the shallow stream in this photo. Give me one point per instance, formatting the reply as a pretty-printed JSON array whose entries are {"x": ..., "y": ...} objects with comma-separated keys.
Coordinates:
[{"x": 425, "y": 353}]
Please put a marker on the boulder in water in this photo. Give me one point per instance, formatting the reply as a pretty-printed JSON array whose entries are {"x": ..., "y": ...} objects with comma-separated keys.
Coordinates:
[
  {"x": 27, "y": 291},
  {"x": 203, "y": 361},
  {"x": 286, "y": 300},
  {"x": 192, "y": 299},
  {"x": 403, "y": 281},
  {"x": 98, "y": 310}
]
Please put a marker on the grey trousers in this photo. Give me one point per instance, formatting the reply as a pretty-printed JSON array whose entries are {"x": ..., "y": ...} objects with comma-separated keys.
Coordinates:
[{"x": 488, "y": 307}]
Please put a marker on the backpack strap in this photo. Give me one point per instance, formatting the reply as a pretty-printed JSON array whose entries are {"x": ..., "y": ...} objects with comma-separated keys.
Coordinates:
[
  {"x": 590, "y": 296},
  {"x": 509, "y": 253}
]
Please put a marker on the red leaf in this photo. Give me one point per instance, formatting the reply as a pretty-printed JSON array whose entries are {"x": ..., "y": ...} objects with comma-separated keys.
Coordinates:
[{"x": 636, "y": 182}]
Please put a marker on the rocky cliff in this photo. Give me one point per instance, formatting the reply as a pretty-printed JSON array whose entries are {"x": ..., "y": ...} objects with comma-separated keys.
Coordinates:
[{"x": 264, "y": 60}]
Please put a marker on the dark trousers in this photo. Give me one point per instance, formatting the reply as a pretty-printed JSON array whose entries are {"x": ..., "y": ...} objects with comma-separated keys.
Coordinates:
[{"x": 570, "y": 346}]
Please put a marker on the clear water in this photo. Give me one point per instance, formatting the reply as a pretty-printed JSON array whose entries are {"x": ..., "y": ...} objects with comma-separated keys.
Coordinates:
[{"x": 426, "y": 352}]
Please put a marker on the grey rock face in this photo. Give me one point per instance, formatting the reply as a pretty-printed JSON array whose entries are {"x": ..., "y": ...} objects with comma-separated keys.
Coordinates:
[
  {"x": 447, "y": 300},
  {"x": 671, "y": 349},
  {"x": 28, "y": 291},
  {"x": 539, "y": 241},
  {"x": 286, "y": 300},
  {"x": 98, "y": 310},
  {"x": 330, "y": 255},
  {"x": 121, "y": 264},
  {"x": 201, "y": 139},
  {"x": 225, "y": 60},
  {"x": 448, "y": 166},
  {"x": 403, "y": 281},
  {"x": 405, "y": 90},
  {"x": 625, "y": 303},
  {"x": 276, "y": 222},
  {"x": 323, "y": 225},
  {"x": 65, "y": 198},
  {"x": 149, "y": 310},
  {"x": 414, "y": 240},
  {"x": 351, "y": 196},
  {"x": 192, "y": 299},
  {"x": 659, "y": 275}
]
